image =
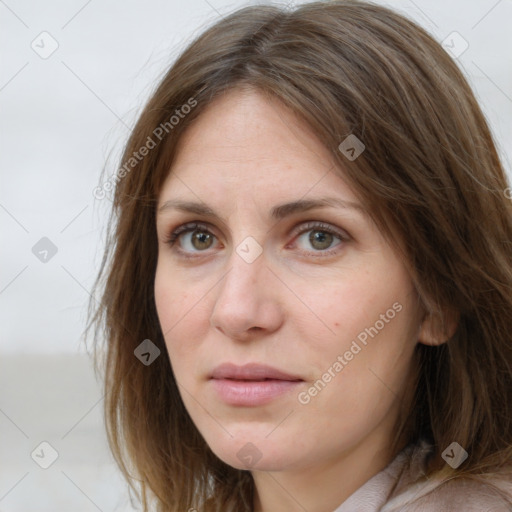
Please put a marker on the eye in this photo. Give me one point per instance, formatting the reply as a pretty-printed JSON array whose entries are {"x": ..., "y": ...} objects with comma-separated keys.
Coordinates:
[
  {"x": 195, "y": 237},
  {"x": 199, "y": 237},
  {"x": 320, "y": 237}
]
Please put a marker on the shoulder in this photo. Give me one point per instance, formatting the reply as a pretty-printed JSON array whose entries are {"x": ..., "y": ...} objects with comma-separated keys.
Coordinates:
[
  {"x": 415, "y": 492},
  {"x": 460, "y": 494}
]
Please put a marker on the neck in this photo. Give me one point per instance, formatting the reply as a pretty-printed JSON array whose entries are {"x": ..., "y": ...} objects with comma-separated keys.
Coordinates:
[{"x": 324, "y": 486}]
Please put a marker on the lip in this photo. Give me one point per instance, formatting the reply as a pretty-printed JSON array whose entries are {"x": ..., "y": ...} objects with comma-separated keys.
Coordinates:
[
  {"x": 252, "y": 384},
  {"x": 250, "y": 371}
]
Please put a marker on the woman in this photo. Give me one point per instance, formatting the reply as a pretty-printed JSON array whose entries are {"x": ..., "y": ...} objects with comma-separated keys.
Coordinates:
[{"x": 308, "y": 284}]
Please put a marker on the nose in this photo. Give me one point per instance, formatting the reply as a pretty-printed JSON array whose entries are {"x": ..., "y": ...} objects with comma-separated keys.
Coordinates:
[{"x": 247, "y": 303}]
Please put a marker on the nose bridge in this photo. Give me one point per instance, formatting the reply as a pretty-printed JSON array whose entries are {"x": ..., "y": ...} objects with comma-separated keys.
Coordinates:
[
  {"x": 243, "y": 277},
  {"x": 247, "y": 260},
  {"x": 244, "y": 299}
]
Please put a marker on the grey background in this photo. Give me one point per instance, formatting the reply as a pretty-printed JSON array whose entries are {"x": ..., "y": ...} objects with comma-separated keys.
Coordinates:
[{"x": 65, "y": 117}]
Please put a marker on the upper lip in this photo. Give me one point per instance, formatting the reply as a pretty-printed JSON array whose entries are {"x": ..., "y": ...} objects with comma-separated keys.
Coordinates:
[{"x": 250, "y": 371}]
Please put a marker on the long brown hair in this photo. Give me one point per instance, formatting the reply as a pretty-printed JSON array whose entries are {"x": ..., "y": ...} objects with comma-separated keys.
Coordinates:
[{"x": 430, "y": 176}]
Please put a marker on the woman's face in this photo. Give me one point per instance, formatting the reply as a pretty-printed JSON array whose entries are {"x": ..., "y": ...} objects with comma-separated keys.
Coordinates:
[{"x": 290, "y": 329}]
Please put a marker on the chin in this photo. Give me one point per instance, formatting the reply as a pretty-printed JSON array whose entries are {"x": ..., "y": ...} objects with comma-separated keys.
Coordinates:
[{"x": 258, "y": 454}]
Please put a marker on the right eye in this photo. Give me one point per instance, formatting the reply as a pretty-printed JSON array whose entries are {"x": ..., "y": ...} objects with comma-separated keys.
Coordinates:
[{"x": 192, "y": 237}]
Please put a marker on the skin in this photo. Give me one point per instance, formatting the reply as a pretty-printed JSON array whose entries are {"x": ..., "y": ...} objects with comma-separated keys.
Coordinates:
[{"x": 295, "y": 307}]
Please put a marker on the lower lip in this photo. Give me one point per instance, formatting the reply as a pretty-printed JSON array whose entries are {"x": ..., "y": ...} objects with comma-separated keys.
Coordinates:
[{"x": 251, "y": 393}]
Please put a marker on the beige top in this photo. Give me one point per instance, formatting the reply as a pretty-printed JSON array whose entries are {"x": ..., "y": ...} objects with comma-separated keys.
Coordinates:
[{"x": 391, "y": 490}]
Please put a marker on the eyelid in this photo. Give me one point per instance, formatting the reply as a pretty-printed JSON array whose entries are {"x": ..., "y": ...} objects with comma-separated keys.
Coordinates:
[
  {"x": 320, "y": 226},
  {"x": 174, "y": 234}
]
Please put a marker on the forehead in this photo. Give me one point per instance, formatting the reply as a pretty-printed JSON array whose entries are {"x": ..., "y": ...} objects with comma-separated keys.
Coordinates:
[{"x": 247, "y": 142}]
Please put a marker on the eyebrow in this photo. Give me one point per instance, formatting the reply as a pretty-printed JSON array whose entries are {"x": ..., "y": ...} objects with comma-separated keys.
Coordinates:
[{"x": 278, "y": 212}]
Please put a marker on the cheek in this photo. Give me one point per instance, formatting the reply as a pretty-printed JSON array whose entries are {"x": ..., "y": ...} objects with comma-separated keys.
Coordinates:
[
  {"x": 370, "y": 318},
  {"x": 178, "y": 307},
  {"x": 341, "y": 307},
  {"x": 166, "y": 299},
  {"x": 376, "y": 356}
]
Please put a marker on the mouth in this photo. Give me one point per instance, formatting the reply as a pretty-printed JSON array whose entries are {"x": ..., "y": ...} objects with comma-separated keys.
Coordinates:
[
  {"x": 251, "y": 372},
  {"x": 251, "y": 384}
]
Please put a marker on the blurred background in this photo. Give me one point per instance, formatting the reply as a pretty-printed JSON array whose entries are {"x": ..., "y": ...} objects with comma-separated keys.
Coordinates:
[{"x": 74, "y": 76}]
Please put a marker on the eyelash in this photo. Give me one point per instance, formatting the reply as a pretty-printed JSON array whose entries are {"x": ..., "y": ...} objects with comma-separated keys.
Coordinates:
[{"x": 304, "y": 228}]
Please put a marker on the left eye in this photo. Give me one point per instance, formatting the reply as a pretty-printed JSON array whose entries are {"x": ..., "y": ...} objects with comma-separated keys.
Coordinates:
[{"x": 319, "y": 239}]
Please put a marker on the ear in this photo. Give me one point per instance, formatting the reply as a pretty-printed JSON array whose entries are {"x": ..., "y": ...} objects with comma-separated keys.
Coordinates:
[{"x": 435, "y": 330}]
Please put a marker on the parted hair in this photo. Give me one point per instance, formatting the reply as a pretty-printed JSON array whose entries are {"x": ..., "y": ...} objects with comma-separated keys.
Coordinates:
[{"x": 432, "y": 179}]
